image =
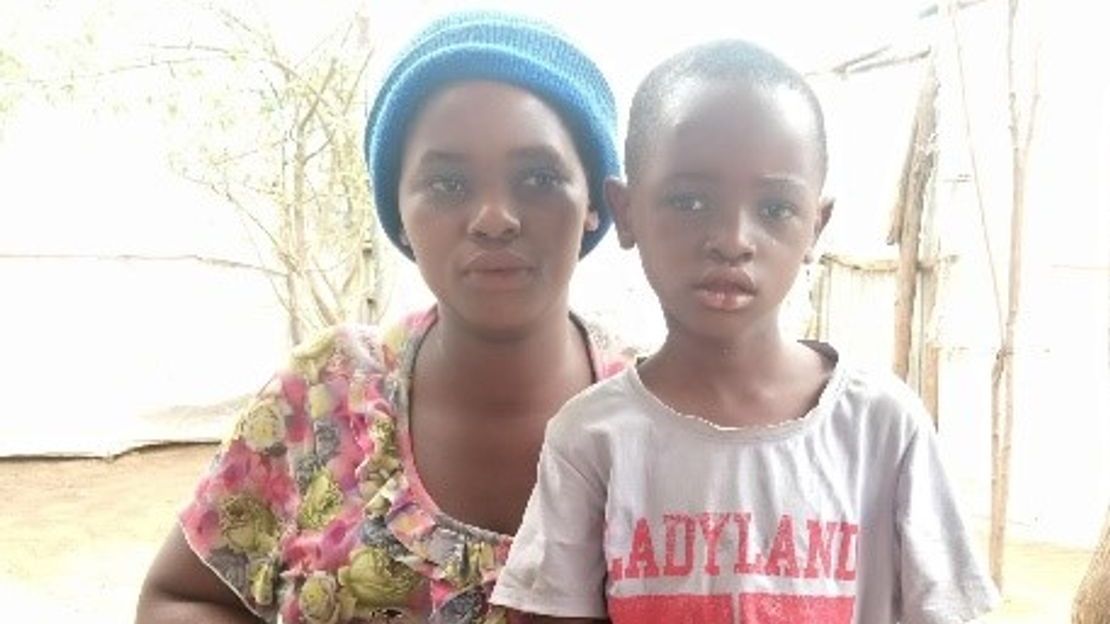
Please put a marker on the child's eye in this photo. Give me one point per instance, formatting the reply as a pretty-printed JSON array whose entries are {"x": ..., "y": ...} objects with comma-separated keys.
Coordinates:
[
  {"x": 541, "y": 179},
  {"x": 687, "y": 203},
  {"x": 777, "y": 210}
]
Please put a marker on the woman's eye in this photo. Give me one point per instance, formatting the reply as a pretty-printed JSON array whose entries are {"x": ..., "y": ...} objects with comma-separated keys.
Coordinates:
[
  {"x": 541, "y": 179},
  {"x": 453, "y": 186},
  {"x": 687, "y": 203},
  {"x": 777, "y": 210}
]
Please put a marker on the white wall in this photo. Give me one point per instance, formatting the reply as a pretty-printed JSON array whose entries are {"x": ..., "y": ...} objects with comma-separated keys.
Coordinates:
[{"x": 91, "y": 349}]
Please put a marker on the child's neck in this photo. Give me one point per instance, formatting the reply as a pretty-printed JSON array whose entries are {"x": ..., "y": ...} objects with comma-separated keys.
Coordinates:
[
  {"x": 759, "y": 378},
  {"x": 748, "y": 359}
]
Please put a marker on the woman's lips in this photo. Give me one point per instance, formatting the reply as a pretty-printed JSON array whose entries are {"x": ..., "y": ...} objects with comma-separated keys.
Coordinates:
[{"x": 498, "y": 270}]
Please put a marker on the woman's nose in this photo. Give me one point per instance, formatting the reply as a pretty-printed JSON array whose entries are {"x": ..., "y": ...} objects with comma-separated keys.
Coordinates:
[{"x": 495, "y": 218}]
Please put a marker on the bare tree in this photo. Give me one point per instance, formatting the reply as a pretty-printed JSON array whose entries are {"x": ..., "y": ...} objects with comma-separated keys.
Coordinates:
[{"x": 283, "y": 147}]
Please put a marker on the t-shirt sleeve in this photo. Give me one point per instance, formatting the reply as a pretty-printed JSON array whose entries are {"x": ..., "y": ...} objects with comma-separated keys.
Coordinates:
[
  {"x": 556, "y": 566},
  {"x": 248, "y": 502},
  {"x": 941, "y": 580}
]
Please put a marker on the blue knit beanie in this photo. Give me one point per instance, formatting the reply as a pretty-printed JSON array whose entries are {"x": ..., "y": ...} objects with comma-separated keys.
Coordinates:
[{"x": 486, "y": 45}]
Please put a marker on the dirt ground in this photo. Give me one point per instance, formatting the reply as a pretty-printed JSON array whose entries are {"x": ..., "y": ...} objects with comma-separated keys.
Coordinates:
[{"x": 76, "y": 537}]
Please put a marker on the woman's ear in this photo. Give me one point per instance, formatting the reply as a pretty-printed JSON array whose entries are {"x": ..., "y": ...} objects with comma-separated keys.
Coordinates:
[{"x": 619, "y": 199}]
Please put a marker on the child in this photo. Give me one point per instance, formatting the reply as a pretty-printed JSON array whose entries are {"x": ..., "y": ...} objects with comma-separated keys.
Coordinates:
[{"x": 737, "y": 475}]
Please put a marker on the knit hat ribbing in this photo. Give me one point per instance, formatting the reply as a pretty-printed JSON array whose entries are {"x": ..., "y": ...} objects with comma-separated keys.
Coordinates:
[{"x": 486, "y": 45}]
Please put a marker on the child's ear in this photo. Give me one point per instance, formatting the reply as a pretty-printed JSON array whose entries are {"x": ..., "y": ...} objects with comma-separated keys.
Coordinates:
[
  {"x": 592, "y": 220},
  {"x": 824, "y": 213},
  {"x": 619, "y": 199}
]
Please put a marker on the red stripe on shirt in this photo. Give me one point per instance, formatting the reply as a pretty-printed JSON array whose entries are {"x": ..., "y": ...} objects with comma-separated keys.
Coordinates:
[
  {"x": 796, "y": 609},
  {"x": 753, "y": 609},
  {"x": 671, "y": 609}
]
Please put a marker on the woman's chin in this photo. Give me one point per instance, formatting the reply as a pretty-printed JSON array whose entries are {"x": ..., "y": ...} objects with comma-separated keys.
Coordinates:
[{"x": 501, "y": 317}]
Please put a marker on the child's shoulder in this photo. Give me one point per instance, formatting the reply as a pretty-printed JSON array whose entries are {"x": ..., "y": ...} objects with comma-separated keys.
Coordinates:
[
  {"x": 872, "y": 395},
  {"x": 602, "y": 406}
]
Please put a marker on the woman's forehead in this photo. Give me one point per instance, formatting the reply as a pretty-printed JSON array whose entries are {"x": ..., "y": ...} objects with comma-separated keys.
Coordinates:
[{"x": 471, "y": 116}]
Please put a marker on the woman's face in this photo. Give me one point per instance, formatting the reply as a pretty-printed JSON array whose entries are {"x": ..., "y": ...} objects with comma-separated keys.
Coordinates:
[{"x": 494, "y": 200}]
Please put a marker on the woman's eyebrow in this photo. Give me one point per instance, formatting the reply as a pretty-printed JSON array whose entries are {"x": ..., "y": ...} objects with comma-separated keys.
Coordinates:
[
  {"x": 541, "y": 153},
  {"x": 433, "y": 158}
]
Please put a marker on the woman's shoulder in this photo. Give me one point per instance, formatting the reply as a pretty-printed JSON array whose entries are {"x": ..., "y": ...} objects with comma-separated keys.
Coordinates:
[
  {"x": 610, "y": 350},
  {"x": 349, "y": 349}
]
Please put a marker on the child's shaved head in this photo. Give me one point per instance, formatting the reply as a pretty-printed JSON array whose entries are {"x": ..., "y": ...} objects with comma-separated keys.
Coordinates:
[{"x": 728, "y": 61}]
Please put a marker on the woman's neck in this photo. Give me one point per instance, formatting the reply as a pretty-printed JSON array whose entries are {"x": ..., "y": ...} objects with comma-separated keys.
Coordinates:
[{"x": 507, "y": 373}]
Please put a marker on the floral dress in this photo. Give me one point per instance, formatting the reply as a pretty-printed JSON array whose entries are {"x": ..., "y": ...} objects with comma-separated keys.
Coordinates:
[{"x": 312, "y": 511}]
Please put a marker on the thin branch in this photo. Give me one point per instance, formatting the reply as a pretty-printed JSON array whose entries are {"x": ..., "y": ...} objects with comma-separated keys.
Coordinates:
[
  {"x": 135, "y": 66},
  {"x": 974, "y": 160},
  {"x": 347, "y": 25},
  {"x": 127, "y": 257},
  {"x": 356, "y": 81},
  {"x": 322, "y": 308},
  {"x": 234, "y": 22},
  {"x": 847, "y": 67},
  {"x": 844, "y": 66},
  {"x": 933, "y": 9},
  {"x": 272, "y": 281},
  {"x": 316, "y": 152},
  {"x": 1034, "y": 105},
  {"x": 319, "y": 92},
  {"x": 285, "y": 304},
  {"x": 289, "y": 72},
  {"x": 349, "y": 281},
  {"x": 882, "y": 265},
  {"x": 278, "y": 247},
  {"x": 229, "y": 157},
  {"x": 327, "y": 281},
  {"x": 905, "y": 59}
]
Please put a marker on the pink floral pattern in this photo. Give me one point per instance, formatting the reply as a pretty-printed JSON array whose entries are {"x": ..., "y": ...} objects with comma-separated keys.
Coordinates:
[{"x": 312, "y": 511}]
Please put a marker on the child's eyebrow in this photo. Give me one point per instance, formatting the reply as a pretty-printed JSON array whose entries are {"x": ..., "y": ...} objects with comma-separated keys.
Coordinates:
[
  {"x": 786, "y": 180},
  {"x": 691, "y": 176}
]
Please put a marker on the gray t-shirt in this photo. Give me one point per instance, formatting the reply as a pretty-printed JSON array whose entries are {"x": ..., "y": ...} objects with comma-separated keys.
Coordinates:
[{"x": 642, "y": 514}]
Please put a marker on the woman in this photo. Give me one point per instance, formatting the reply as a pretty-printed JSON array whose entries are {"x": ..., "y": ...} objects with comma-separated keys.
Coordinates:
[{"x": 380, "y": 477}]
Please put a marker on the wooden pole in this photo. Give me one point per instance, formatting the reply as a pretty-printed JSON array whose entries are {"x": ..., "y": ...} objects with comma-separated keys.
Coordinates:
[
  {"x": 1092, "y": 601},
  {"x": 906, "y": 222},
  {"x": 930, "y": 349},
  {"x": 1002, "y": 374}
]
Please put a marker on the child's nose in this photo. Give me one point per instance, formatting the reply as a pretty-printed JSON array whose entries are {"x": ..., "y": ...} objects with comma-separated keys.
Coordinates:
[
  {"x": 495, "y": 218},
  {"x": 731, "y": 238}
]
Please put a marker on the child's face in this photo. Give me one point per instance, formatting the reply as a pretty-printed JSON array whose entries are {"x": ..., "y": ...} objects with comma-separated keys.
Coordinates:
[
  {"x": 726, "y": 207},
  {"x": 494, "y": 200}
]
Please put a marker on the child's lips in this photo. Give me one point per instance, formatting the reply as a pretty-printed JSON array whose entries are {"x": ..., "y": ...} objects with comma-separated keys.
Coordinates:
[{"x": 725, "y": 291}]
